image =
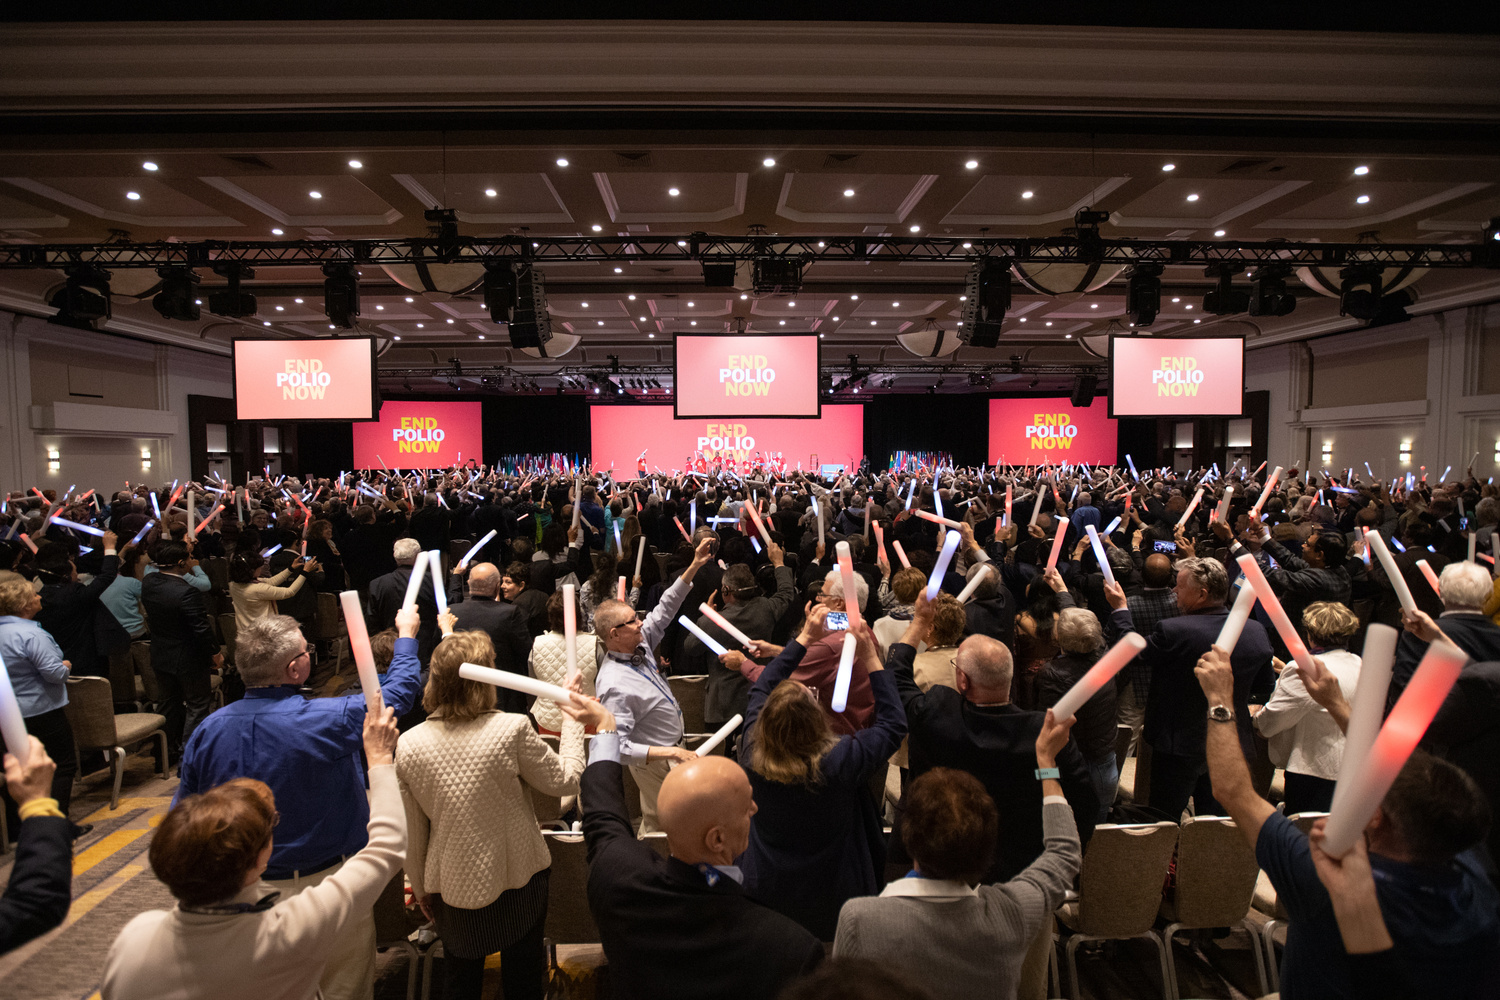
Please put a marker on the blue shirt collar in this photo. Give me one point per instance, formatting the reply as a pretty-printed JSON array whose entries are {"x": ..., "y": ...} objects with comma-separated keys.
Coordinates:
[{"x": 279, "y": 691}]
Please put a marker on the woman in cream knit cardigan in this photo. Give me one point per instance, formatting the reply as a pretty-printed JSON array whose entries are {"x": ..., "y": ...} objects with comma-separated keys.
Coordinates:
[
  {"x": 477, "y": 862},
  {"x": 254, "y": 594}
]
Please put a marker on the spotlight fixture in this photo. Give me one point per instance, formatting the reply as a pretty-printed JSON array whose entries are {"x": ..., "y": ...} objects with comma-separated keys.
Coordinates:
[
  {"x": 986, "y": 300},
  {"x": 178, "y": 298},
  {"x": 718, "y": 275},
  {"x": 341, "y": 294},
  {"x": 776, "y": 276},
  {"x": 1360, "y": 296},
  {"x": 1268, "y": 291},
  {"x": 84, "y": 299},
  {"x": 232, "y": 301},
  {"x": 1143, "y": 294},
  {"x": 1225, "y": 300}
]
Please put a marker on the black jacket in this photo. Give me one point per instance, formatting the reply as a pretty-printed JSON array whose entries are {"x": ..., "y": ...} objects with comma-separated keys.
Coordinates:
[
  {"x": 182, "y": 637},
  {"x": 1471, "y": 632},
  {"x": 386, "y": 594},
  {"x": 69, "y": 612},
  {"x": 1466, "y": 732},
  {"x": 506, "y": 626},
  {"x": 995, "y": 617},
  {"x": 666, "y": 932},
  {"x": 1095, "y": 729},
  {"x": 41, "y": 882}
]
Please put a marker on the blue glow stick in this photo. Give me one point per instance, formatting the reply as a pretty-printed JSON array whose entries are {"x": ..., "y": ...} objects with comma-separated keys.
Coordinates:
[
  {"x": 617, "y": 536},
  {"x": 142, "y": 533},
  {"x": 1112, "y": 526},
  {"x": 267, "y": 553},
  {"x": 692, "y": 515},
  {"x": 1397, "y": 542},
  {"x": 1131, "y": 460},
  {"x": 156, "y": 506},
  {"x": 755, "y": 542},
  {"x": 81, "y": 527},
  {"x": 1445, "y": 474}
]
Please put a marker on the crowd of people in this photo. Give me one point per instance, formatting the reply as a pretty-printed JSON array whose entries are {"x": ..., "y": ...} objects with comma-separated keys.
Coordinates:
[{"x": 914, "y": 817}]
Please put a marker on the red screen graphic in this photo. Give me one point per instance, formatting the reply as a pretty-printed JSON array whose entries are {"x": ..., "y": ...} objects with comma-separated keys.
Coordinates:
[
  {"x": 420, "y": 436},
  {"x": 330, "y": 379},
  {"x": 1176, "y": 376},
  {"x": 755, "y": 375},
  {"x": 620, "y": 433},
  {"x": 1030, "y": 431}
]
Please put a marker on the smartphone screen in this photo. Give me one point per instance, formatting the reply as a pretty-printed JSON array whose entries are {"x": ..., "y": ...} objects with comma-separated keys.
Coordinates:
[
  {"x": 837, "y": 621},
  {"x": 1162, "y": 546}
]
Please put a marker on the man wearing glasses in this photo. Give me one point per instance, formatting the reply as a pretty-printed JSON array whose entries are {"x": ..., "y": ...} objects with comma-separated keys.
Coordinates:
[
  {"x": 631, "y": 686},
  {"x": 308, "y": 750}
]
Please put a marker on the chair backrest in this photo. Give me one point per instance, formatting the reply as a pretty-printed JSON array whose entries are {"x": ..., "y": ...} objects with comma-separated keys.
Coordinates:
[
  {"x": 1122, "y": 743},
  {"x": 1121, "y": 880},
  {"x": 1216, "y": 872},
  {"x": 329, "y": 622},
  {"x": 391, "y": 923},
  {"x": 91, "y": 712},
  {"x": 1305, "y": 821},
  {"x": 546, "y": 807},
  {"x": 689, "y": 691},
  {"x": 568, "y": 918}
]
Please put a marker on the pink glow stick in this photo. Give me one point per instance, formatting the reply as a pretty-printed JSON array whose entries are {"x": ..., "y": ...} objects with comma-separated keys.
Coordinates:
[
  {"x": 725, "y": 624},
  {"x": 927, "y": 515},
  {"x": 760, "y": 525},
  {"x": 359, "y": 646},
  {"x": 1006, "y": 522},
  {"x": 1265, "y": 494},
  {"x": 1366, "y": 713},
  {"x": 570, "y": 626},
  {"x": 680, "y": 528},
  {"x": 29, "y": 543},
  {"x": 620, "y": 594},
  {"x": 900, "y": 553},
  {"x": 1197, "y": 498},
  {"x": 1392, "y": 573},
  {"x": 215, "y": 513},
  {"x": 1100, "y": 674},
  {"x": 1277, "y": 614},
  {"x": 1432, "y": 577},
  {"x": 1057, "y": 543},
  {"x": 851, "y": 595},
  {"x": 879, "y": 537},
  {"x": 1403, "y": 729}
]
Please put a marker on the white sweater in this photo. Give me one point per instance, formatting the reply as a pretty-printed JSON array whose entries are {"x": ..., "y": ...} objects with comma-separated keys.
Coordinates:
[
  {"x": 1303, "y": 737},
  {"x": 473, "y": 831},
  {"x": 549, "y": 662},
  {"x": 277, "y": 954}
]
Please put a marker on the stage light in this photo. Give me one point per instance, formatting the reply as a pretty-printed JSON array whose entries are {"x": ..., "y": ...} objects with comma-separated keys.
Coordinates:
[
  {"x": 986, "y": 301},
  {"x": 1143, "y": 294},
  {"x": 1268, "y": 292},
  {"x": 1225, "y": 299},
  {"x": 1359, "y": 293},
  {"x": 776, "y": 276},
  {"x": 84, "y": 299},
  {"x": 341, "y": 294},
  {"x": 178, "y": 298}
]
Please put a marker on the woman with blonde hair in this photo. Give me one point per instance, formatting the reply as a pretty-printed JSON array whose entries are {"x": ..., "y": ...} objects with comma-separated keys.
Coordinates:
[
  {"x": 816, "y": 839},
  {"x": 477, "y": 862},
  {"x": 1304, "y": 738},
  {"x": 1080, "y": 642}
]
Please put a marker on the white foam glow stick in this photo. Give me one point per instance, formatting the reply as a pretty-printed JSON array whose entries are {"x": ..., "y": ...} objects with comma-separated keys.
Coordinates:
[
  {"x": 439, "y": 592},
  {"x": 851, "y": 595},
  {"x": 901, "y": 553},
  {"x": 819, "y": 510},
  {"x": 1239, "y": 613},
  {"x": 1036, "y": 505},
  {"x": 1100, "y": 674},
  {"x": 845, "y": 675},
  {"x": 1006, "y": 522},
  {"x": 940, "y": 568},
  {"x": 570, "y": 626},
  {"x": 1099, "y": 554},
  {"x": 359, "y": 645},
  {"x": 1197, "y": 498},
  {"x": 973, "y": 585},
  {"x": 12, "y": 724},
  {"x": 1057, "y": 542},
  {"x": 1432, "y": 577},
  {"x": 725, "y": 624},
  {"x": 1278, "y": 615},
  {"x": 100, "y": 531},
  {"x": 640, "y": 553},
  {"x": 709, "y": 745},
  {"x": 1403, "y": 729},
  {"x": 703, "y": 637},
  {"x": 1388, "y": 563},
  {"x": 937, "y": 498},
  {"x": 1223, "y": 511},
  {"x": 1109, "y": 529},
  {"x": 414, "y": 584},
  {"x": 1369, "y": 704},
  {"x": 1265, "y": 494},
  {"x": 464, "y": 562},
  {"x": 577, "y": 501},
  {"x": 869, "y": 506},
  {"x": 935, "y": 519},
  {"x": 515, "y": 682}
]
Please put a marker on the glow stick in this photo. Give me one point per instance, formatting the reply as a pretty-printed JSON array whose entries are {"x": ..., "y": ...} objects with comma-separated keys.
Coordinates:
[
  {"x": 869, "y": 506},
  {"x": 845, "y": 675},
  {"x": 1229, "y": 632},
  {"x": 940, "y": 568},
  {"x": 215, "y": 513},
  {"x": 1223, "y": 511},
  {"x": 1444, "y": 475},
  {"x": 89, "y": 527},
  {"x": 693, "y": 514},
  {"x": 935, "y": 519},
  {"x": 1403, "y": 728},
  {"x": 640, "y": 553},
  {"x": 1191, "y": 507},
  {"x": 1099, "y": 554},
  {"x": 439, "y": 594},
  {"x": 1432, "y": 577},
  {"x": 1057, "y": 543},
  {"x": 1473, "y": 545},
  {"x": 1366, "y": 713},
  {"x": 359, "y": 645},
  {"x": 759, "y": 525},
  {"x": 1006, "y": 521},
  {"x": 851, "y": 595},
  {"x": 515, "y": 682},
  {"x": 1110, "y": 528},
  {"x": 578, "y": 501},
  {"x": 709, "y": 745},
  {"x": 1265, "y": 494},
  {"x": 268, "y": 553},
  {"x": 414, "y": 584},
  {"x": 192, "y": 512},
  {"x": 1278, "y": 616},
  {"x": 1133, "y": 473},
  {"x": 620, "y": 589},
  {"x": 819, "y": 510},
  {"x": 155, "y": 507},
  {"x": 570, "y": 626},
  {"x": 464, "y": 562},
  {"x": 703, "y": 637},
  {"x": 1100, "y": 674},
  {"x": 1036, "y": 507},
  {"x": 725, "y": 624},
  {"x": 937, "y": 498},
  {"x": 304, "y": 548},
  {"x": 1259, "y": 467},
  {"x": 879, "y": 537},
  {"x": 12, "y": 725},
  {"x": 678, "y": 521},
  {"x": 142, "y": 533},
  {"x": 973, "y": 585},
  {"x": 617, "y": 538},
  {"x": 901, "y": 553}
]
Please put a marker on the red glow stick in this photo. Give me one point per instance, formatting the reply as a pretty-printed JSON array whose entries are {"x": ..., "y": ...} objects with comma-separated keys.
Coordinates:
[
  {"x": 359, "y": 645},
  {"x": 1057, "y": 542},
  {"x": 1277, "y": 614},
  {"x": 1432, "y": 577},
  {"x": 1100, "y": 674},
  {"x": 901, "y": 554}
]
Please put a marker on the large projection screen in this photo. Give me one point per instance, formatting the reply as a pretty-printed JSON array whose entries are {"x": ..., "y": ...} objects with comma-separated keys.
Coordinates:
[
  {"x": 313, "y": 379},
  {"x": 1031, "y": 431},
  {"x": 420, "y": 435},
  {"x": 1176, "y": 376},
  {"x": 746, "y": 375},
  {"x": 622, "y": 433}
]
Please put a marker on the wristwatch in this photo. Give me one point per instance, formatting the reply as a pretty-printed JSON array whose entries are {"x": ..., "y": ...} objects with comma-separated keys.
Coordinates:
[{"x": 1221, "y": 713}]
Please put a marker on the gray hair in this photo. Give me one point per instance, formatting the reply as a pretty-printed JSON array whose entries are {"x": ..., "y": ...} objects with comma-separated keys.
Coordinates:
[
  {"x": 1208, "y": 574},
  {"x": 610, "y": 615},
  {"x": 265, "y": 647},
  {"x": 833, "y": 586},
  {"x": 1077, "y": 631},
  {"x": 1488, "y": 511},
  {"x": 985, "y": 661},
  {"x": 1464, "y": 585},
  {"x": 988, "y": 583},
  {"x": 406, "y": 551}
]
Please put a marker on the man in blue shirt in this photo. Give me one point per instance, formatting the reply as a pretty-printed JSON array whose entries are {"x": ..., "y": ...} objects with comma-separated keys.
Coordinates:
[
  {"x": 1439, "y": 908},
  {"x": 308, "y": 750}
]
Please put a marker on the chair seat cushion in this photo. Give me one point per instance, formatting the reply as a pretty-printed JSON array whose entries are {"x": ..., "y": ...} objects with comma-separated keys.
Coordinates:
[{"x": 132, "y": 727}]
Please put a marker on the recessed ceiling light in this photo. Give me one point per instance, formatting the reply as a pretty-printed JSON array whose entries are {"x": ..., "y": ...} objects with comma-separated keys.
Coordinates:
[
  {"x": 148, "y": 165},
  {"x": 643, "y": 319},
  {"x": 281, "y": 308},
  {"x": 963, "y": 298},
  {"x": 1023, "y": 319},
  {"x": 822, "y": 244},
  {"x": 598, "y": 228},
  {"x": 421, "y": 326},
  {"x": 783, "y": 323},
  {"x": 693, "y": 322},
  {"x": 835, "y": 319},
  {"x": 585, "y": 305},
  {"x": 895, "y": 305},
  {"x": 380, "y": 308},
  {"x": 743, "y": 296},
  {"x": 315, "y": 194},
  {"x": 397, "y": 337},
  {"x": 768, "y": 162},
  {"x": 690, "y": 305},
  {"x": 1218, "y": 232},
  {"x": 601, "y": 322},
  {"x": 1358, "y": 171},
  {"x": 630, "y": 297},
  {"x": 1093, "y": 305},
  {"x": 1068, "y": 336},
  {"x": 1192, "y": 197},
  {"x": 1168, "y": 167},
  {"x": 971, "y": 164},
  {"x": 561, "y": 162},
  {"x": 299, "y": 301},
  {"x": 133, "y": 195},
  {"x": 854, "y": 298},
  {"x": 1028, "y": 194},
  {"x": 821, "y": 336},
  {"x": 481, "y": 336},
  {"x": 450, "y": 321},
  {"x": 355, "y": 164},
  {"x": 1187, "y": 307},
  {"x": 408, "y": 298},
  {"x": 1363, "y": 199},
  {"x": 872, "y": 322},
  {"x": 619, "y": 270},
  {"x": 848, "y": 192},
  {"x": 330, "y": 326},
  {"x": 1176, "y": 298},
  {"x": 265, "y": 322},
  {"x": 916, "y": 229},
  {"x": 968, "y": 246},
  {"x": 490, "y": 192},
  {"x": 276, "y": 232},
  {"x": 650, "y": 336},
  {"x": 673, "y": 192},
  {"x": 1049, "y": 322},
  {"x": 792, "y": 305},
  {"x": 1197, "y": 321}
]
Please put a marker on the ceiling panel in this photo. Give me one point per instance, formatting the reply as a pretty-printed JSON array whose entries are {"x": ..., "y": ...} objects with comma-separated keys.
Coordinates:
[
  {"x": 646, "y": 197},
  {"x": 848, "y": 198},
  {"x": 309, "y": 200},
  {"x": 527, "y": 197}
]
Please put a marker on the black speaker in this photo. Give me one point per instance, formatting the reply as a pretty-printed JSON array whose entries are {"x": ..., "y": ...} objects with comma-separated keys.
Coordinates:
[
  {"x": 1083, "y": 389},
  {"x": 988, "y": 290},
  {"x": 530, "y": 325},
  {"x": 718, "y": 275}
]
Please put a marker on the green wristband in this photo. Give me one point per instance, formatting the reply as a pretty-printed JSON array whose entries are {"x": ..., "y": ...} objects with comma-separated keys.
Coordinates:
[{"x": 1043, "y": 773}]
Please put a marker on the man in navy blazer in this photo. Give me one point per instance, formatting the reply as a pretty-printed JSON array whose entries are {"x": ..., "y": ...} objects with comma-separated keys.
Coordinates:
[
  {"x": 1176, "y": 710},
  {"x": 1464, "y": 587}
]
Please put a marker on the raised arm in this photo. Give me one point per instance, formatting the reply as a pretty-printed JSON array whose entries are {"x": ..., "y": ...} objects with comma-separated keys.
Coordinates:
[{"x": 1226, "y": 760}]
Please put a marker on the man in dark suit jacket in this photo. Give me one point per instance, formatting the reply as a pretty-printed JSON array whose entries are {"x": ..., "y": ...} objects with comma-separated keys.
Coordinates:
[
  {"x": 1466, "y": 732},
  {"x": 976, "y": 729},
  {"x": 505, "y": 624},
  {"x": 388, "y": 591},
  {"x": 751, "y": 612},
  {"x": 681, "y": 927},
  {"x": 1466, "y": 587},
  {"x": 1176, "y": 709},
  {"x": 184, "y": 652}
]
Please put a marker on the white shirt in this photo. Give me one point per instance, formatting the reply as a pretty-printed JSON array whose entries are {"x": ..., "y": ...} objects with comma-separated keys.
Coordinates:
[{"x": 1303, "y": 737}]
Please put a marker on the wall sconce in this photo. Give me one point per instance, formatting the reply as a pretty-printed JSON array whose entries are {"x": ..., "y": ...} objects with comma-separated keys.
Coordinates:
[
  {"x": 54, "y": 462},
  {"x": 1327, "y": 451},
  {"x": 145, "y": 458},
  {"x": 1406, "y": 451},
  {"x": 1497, "y": 452}
]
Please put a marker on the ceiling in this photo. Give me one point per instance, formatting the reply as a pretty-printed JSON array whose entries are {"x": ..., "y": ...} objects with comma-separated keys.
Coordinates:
[{"x": 1220, "y": 166}]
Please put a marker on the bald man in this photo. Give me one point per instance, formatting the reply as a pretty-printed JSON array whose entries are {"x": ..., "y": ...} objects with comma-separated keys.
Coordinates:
[
  {"x": 681, "y": 926},
  {"x": 504, "y": 623}
]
